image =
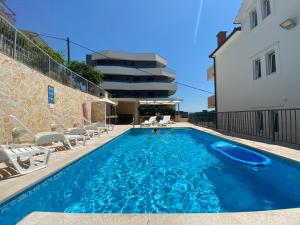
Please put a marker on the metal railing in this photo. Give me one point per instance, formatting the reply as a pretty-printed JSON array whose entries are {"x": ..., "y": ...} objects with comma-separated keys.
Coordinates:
[
  {"x": 277, "y": 125},
  {"x": 18, "y": 46},
  {"x": 204, "y": 119}
]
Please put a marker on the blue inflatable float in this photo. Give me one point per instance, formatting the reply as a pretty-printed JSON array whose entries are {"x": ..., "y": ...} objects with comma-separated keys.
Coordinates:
[{"x": 241, "y": 154}]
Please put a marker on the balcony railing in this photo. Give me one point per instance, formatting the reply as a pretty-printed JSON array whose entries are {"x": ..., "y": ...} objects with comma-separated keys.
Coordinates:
[{"x": 16, "y": 45}]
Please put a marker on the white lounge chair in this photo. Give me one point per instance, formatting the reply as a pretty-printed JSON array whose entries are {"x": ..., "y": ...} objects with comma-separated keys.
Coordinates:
[
  {"x": 96, "y": 128},
  {"x": 93, "y": 130},
  {"x": 150, "y": 122},
  {"x": 79, "y": 134},
  {"x": 13, "y": 156},
  {"x": 104, "y": 128},
  {"x": 75, "y": 134},
  {"x": 43, "y": 138},
  {"x": 165, "y": 121}
]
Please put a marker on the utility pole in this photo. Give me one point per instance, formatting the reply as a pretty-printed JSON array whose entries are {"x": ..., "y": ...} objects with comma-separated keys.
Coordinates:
[{"x": 68, "y": 45}]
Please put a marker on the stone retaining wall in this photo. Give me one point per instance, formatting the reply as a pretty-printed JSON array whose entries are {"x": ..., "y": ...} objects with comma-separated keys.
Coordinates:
[{"x": 24, "y": 93}]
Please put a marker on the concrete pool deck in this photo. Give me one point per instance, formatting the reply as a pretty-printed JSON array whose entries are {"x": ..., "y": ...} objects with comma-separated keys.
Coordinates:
[
  {"x": 280, "y": 217},
  {"x": 16, "y": 184}
]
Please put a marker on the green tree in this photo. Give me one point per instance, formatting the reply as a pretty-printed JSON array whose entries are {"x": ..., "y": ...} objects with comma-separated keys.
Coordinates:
[
  {"x": 86, "y": 71},
  {"x": 57, "y": 56}
]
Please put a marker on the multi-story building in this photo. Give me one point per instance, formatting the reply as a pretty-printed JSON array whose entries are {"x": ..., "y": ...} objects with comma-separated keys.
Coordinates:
[
  {"x": 256, "y": 69},
  {"x": 132, "y": 78}
]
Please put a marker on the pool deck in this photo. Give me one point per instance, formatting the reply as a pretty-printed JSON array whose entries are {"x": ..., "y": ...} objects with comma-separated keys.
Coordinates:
[{"x": 11, "y": 184}]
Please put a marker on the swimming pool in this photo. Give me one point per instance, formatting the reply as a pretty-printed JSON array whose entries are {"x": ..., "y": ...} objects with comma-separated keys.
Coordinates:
[{"x": 175, "y": 171}]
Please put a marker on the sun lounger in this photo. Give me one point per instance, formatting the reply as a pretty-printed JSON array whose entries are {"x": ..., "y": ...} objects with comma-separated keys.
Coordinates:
[
  {"x": 150, "y": 122},
  {"x": 47, "y": 138},
  {"x": 103, "y": 127},
  {"x": 165, "y": 121},
  {"x": 93, "y": 130},
  {"x": 97, "y": 128},
  {"x": 75, "y": 134},
  {"x": 14, "y": 156},
  {"x": 43, "y": 138},
  {"x": 78, "y": 133}
]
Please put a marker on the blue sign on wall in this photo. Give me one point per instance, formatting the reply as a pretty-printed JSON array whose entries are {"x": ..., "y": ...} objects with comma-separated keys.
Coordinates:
[{"x": 51, "y": 96}]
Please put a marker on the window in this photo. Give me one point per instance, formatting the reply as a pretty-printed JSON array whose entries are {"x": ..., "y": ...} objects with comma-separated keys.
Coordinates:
[
  {"x": 253, "y": 19},
  {"x": 257, "y": 69},
  {"x": 271, "y": 63},
  {"x": 266, "y": 8}
]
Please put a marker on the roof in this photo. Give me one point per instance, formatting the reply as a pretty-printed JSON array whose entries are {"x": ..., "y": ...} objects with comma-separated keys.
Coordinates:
[
  {"x": 235, "y": 30},
  {"x": 150, "y": 101},
  {"x": 119, "y": 55},
  {"x": 159, "y": 101}
]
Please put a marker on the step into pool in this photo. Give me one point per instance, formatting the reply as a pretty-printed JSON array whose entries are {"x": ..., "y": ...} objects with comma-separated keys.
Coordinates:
[{"x": 174, "y": 171}]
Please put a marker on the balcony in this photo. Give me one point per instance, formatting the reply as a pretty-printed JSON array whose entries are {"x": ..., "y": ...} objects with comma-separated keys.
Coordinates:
[
  {"x": 211, "y": 73},
  {"x": 149, "y": 86},
  {"x": 212, "y": 102},
  {"x": 119, "y": 70}
]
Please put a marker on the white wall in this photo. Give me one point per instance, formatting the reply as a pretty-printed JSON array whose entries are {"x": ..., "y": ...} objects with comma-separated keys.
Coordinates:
[{"x": 236, "y": 88}]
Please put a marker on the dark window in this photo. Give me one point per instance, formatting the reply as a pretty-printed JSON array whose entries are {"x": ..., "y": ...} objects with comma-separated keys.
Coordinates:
[
  {"x": 257, "y": 69},
  {"x": 253, "y": 19},
  {"x": 271, "y": 63},
  {"x": 266, "y": 8}
]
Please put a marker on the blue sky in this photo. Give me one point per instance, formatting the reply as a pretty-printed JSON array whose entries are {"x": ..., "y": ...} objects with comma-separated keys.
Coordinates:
[{"x": 178, "y": 30}]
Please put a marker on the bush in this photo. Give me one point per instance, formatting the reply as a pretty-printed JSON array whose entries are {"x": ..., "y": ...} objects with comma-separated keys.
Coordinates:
[
  {"x": 57, "y": 56},
  {"x": 86, "y": 71}
]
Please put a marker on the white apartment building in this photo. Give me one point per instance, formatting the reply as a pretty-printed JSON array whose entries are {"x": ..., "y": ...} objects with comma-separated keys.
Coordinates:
[
  {"x": 135, "y": 79},
  {"x": 257, "y": 66}
]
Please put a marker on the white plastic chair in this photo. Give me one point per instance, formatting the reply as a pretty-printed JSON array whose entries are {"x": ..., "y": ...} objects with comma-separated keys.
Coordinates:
[{"x": 13, "y": 156}]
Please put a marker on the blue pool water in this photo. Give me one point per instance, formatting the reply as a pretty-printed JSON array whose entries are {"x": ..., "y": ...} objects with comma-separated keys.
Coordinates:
[{"x": 175, "y": 171}]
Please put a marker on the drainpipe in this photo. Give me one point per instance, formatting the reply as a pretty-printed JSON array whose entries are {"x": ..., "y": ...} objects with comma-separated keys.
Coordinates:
[{"x": 216, "y": 96}]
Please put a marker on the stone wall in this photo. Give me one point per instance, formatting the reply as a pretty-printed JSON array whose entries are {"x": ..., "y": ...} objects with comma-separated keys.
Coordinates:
[{"x": 24, "y": 93}]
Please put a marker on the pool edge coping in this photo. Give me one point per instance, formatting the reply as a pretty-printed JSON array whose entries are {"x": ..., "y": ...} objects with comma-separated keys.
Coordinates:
[
  {"x": 272, "y": 217},
  {"x": 10, "y": 197}
]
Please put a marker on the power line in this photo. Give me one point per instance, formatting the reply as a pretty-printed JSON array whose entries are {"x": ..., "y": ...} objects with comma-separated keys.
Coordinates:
[
  {"x": 49, "y": 36},
  {"x": 199, "y": 89},
  {"x": 107, "y": 57},
  {"x": 186, "y": 85}
]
